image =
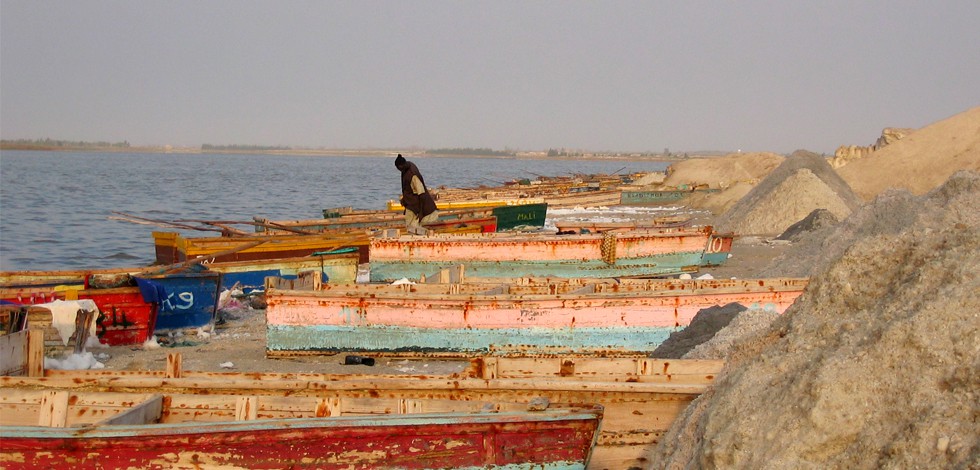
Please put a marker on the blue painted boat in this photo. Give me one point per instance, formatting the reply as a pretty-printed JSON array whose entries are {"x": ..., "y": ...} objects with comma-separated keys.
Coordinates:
[{"x": 184, "y": 300}]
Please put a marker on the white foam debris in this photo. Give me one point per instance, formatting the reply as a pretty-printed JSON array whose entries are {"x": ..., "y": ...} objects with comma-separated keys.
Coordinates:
[
  {"x": 82, "y": 361},
  {"x": 227, "y": 365},
  {"x": 151, "y": 343}
]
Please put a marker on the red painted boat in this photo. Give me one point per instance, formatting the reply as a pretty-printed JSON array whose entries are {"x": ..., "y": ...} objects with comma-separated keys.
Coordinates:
[
  {"x": 124, "y": 317},
  {"x": 79, "y": 430}
]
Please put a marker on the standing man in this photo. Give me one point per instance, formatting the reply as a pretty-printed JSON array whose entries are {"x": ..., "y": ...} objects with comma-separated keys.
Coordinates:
[{"x": 420, "y": 208}]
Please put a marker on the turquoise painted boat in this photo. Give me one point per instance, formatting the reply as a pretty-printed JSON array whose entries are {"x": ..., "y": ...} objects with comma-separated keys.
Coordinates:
[
  {"x": 639, "y": 253},
  {"x": 529, "y": 316},
  {"x": 338, "y": 266},
  {"x": 654, "y": 198}
]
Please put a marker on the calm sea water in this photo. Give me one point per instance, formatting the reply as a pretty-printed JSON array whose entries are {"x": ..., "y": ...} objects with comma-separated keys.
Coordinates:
[{"x": 55, "y": 207}]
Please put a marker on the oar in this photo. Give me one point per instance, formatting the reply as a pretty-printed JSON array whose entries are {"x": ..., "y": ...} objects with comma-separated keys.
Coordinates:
[
  {"x": 273, "y": 225},
  {"x": 138, "y": 219}
]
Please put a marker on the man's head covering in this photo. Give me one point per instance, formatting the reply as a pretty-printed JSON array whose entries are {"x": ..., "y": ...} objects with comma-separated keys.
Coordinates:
[{"x": 399, "y": 161}]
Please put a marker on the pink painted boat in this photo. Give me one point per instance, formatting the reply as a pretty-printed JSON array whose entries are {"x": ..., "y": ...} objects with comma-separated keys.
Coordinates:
[
  {"x": 82, "y": 430},
  {"x": 637, "y": 253},
  {"x": 528, "y": 317}
]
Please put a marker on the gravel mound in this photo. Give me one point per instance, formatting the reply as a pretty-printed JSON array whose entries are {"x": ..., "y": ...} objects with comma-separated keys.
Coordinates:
[
  {"x": 746, "y": 323},
  {"x": 877, "y": 365},
  {"x": 703, "y": 327},
  {"x": 817, "y": 219}
]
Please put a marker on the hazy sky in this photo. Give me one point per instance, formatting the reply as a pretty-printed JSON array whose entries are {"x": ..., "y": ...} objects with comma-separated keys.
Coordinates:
[{"x": 531, "y": 75}]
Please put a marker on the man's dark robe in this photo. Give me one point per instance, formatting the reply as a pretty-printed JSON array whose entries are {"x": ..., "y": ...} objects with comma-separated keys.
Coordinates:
[{"x": 421, "y": 204}]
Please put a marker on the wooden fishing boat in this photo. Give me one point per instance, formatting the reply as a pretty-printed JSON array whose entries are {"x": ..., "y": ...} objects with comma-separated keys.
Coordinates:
[
  {"x": 337, "y": 266},
  {"x": 597, "y": 198},
  {"x": 641, "y": 397},
  {"x": 638, "y": 253},
  {"x": 395, "y": 206},
  {"x": 173, "y": 247},
  {"x": 718, "y": 249},
  {"x": 183, "y": 300},
  {"x": 144, "y": 302},
  {"x": 527, "y": 317},
  {"x": 124, "y": 317},
  {"x": 55, "y": 428},
  {"x": 587, "y": 226},
  {"x": 447, "y": 222},
  {"x": 659, "y": 197},
  {"x": 494, "y": 218}
]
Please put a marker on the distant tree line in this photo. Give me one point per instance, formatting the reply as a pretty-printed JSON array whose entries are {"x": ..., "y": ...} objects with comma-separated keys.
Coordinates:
[
  {"x": 242, "y": 148},
  {"x": 471, "y": 151},
  {"x": 54, "y": 143}
]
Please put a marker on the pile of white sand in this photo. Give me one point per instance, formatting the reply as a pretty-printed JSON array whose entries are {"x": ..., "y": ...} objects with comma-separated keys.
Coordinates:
[
  {"x": 877, "y": 365},
  {"x": 921, "y": 160},
  {"x": 804, "y": 182}
]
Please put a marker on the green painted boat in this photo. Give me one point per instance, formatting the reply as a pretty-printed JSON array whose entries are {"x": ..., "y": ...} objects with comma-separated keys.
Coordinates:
[{"x": 526, "y": 216}]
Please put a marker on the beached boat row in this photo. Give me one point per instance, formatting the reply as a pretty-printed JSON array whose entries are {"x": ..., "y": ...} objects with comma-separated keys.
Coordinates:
[
  {"x": 520, "y": 317},
  {"x": 636, "y": 400}
]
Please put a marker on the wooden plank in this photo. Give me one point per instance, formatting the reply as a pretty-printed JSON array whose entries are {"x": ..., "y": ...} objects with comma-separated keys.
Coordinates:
[
  {"x": 14, "y": 353},
  {"x": 35, "y": 354},
  {"x": 146, "y": 412},
  {"x": 54, "y": 409},
  {"x": 173, "y": 366},
  {"x": 247, "y": 408}
]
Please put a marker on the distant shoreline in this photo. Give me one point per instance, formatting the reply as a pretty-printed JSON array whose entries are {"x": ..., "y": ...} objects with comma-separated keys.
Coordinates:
[{"x": 353, "y": 153}]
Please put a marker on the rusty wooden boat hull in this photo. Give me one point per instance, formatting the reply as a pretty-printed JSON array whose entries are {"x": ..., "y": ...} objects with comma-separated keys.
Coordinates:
[
  {"x": 172, "y": 247},
  {"x": 250, "y": 275},
  {"x": 629, "y": 317},
  {"x": 640, "y": 397},
  {"x": 323, "y": 435},
  {"x": 639, "y": 253},
  {"x": 124, "y": 317},
  {"x": 129, "y": 314}
]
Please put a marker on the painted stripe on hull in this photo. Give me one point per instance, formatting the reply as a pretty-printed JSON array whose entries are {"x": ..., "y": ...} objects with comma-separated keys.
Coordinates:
[
  {"x": 504, "y": 312},
  {"x": 658, "y": 265},
  {"x": 493, "y": 247},
  {"x": 464, "y": 341}
]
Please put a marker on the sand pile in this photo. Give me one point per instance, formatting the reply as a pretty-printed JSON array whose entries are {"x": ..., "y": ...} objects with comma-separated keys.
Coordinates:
[
  {"x": 920, "y": 161},
  {"x": 877, "y": 365},
  {"x": 803, "y": 183},
  {"x": 722, "y": 172}
]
